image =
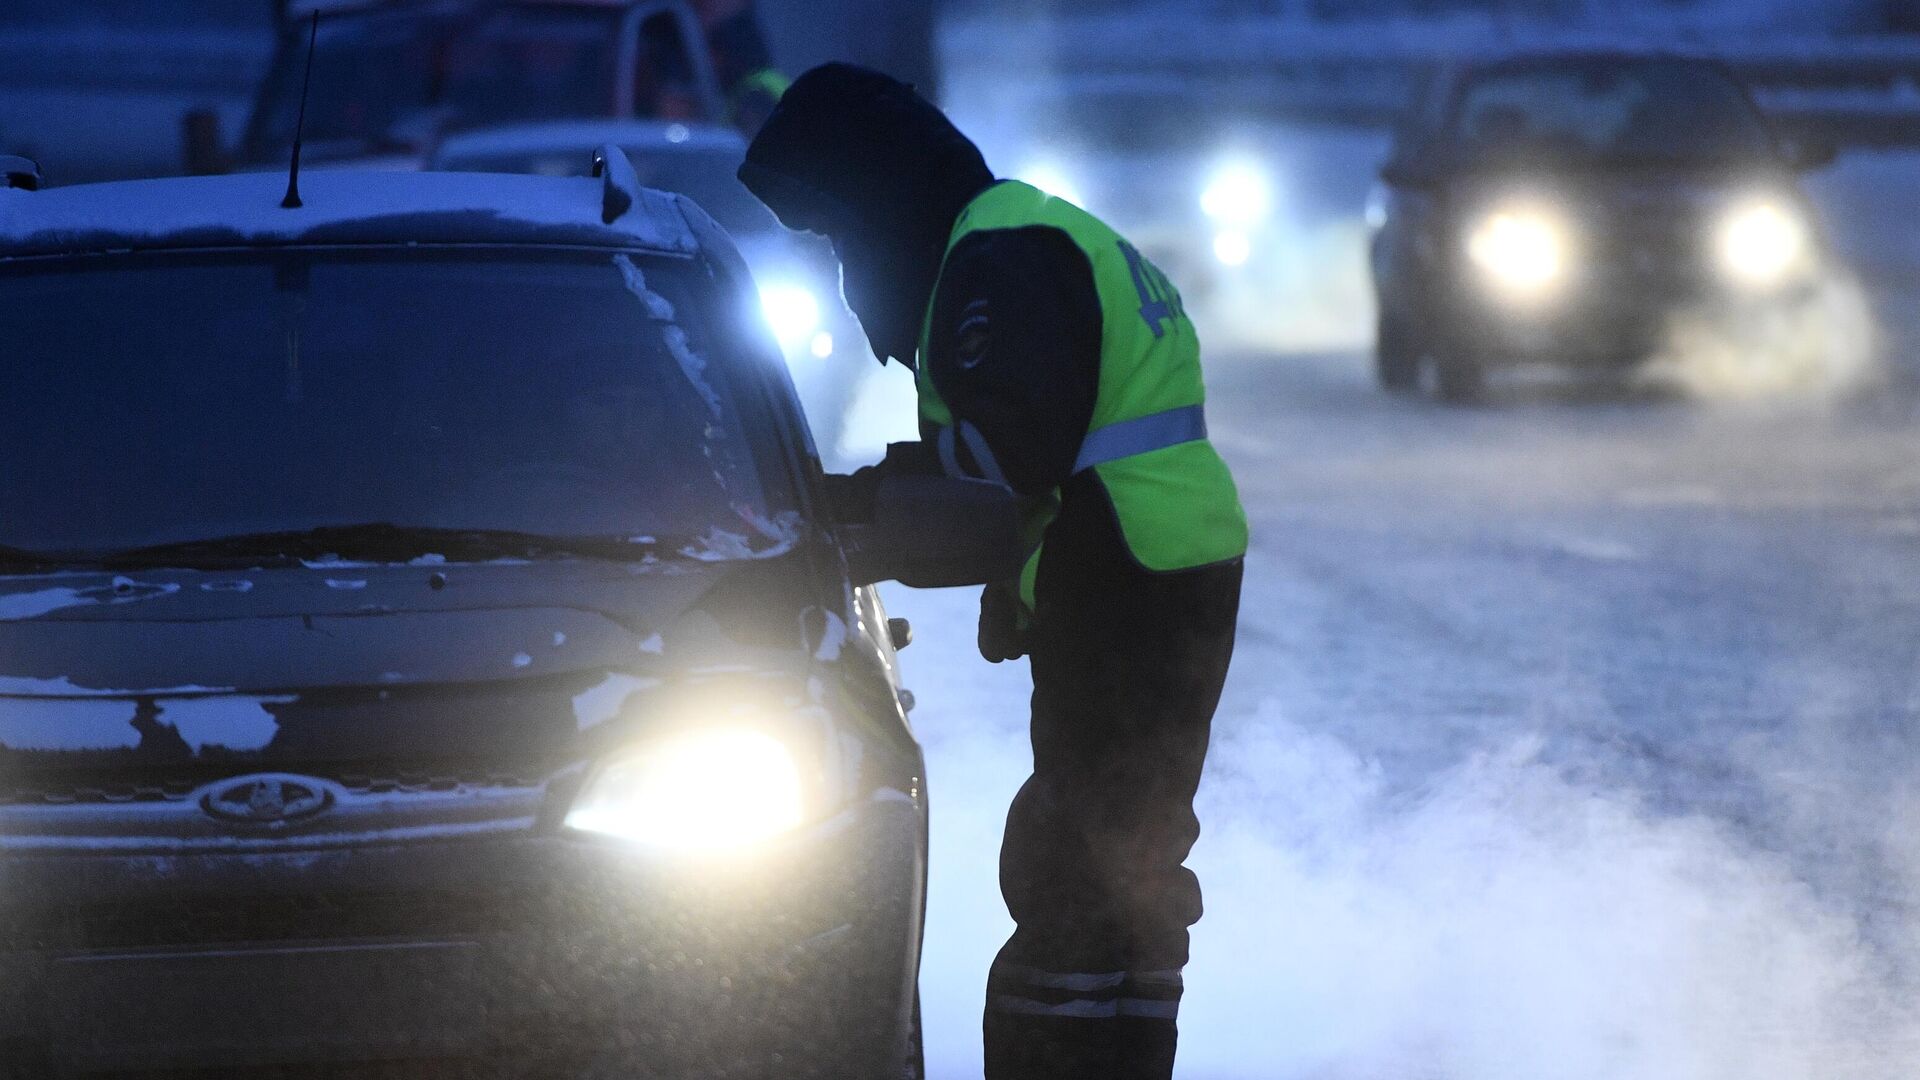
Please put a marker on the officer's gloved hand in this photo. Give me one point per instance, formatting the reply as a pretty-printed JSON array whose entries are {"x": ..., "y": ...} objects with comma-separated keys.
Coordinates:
[
  {"x": 851, "y": 496},
  {"x": 1002, "y": 635}
]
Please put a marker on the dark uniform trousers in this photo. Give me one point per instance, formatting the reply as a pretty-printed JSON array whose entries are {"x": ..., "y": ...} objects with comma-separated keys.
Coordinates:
[{"x": 1128, "y": 667}]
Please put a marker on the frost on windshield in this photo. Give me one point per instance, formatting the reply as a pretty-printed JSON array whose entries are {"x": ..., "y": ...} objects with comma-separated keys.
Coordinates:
[
  {"x": 692, "y": 364},
  {"x": 660, "y": 309}
]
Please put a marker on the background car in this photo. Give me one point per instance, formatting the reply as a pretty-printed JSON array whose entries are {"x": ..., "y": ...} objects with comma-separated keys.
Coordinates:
[
  {"x": 391, "y": 78},
  {"x": 422, "y": 640},
  {"x": 1565, "y": 207}
]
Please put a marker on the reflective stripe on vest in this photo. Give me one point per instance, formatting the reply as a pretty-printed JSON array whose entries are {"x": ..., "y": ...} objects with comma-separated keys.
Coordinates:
[
  {"x": 1128, "y": 438},
  {"x": 1141, "y": 435},
  {"x": 1173, "y": 495},
  {"x": 977, "y": 446}
]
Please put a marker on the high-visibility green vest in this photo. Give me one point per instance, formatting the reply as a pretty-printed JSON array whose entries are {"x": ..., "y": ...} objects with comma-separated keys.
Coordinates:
[{"x": 1176, "y": 501}]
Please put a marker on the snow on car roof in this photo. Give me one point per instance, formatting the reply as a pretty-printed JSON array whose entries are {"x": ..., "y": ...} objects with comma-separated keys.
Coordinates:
[
  {"x": 341, "y": 207},
  {"x": 584, "y": 135}
]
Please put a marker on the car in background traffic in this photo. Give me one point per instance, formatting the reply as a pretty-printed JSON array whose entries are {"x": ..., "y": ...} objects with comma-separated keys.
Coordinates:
[
  {"x": 390, "y": 77},
  {"x": 798, "y": 274},
  {"x": 424, "y": 643},
  {"x": 1567, "y": 207},
  {"x": 1215, "y": 209}
]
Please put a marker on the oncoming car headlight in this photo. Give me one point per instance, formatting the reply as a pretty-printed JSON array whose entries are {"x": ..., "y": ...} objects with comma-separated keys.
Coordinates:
[
  {"x": 1238, "y": 194},
  {"x": 1525, "y": 251},
  {"x": 707, "y": 791},
  {"x": 792, "y": 310},
  {"x": 1762, "y": 242}
]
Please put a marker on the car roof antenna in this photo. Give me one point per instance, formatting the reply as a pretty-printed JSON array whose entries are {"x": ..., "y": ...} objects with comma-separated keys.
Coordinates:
[{"x": 292, "y": 201}]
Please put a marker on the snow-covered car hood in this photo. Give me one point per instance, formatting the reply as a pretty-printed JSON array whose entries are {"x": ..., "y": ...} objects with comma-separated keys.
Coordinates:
[
  {"x": 185, "y": 632},
  {"x": 290, "y": 666}
]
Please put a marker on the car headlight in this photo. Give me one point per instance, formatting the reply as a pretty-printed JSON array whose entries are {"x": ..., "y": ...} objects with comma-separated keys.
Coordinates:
[
  {"x": 1238, "y": 194},
  {"x": 700, "y": 791},
  {"x": 792, "y": 310},
  {"x": 1523, "y": 251},
  {"x": 1761, "y": 242},
  {"x": 1232, "y": 247}
]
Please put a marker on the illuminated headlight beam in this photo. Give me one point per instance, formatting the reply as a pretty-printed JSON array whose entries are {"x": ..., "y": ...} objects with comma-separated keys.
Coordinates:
[
  {"x": 1522, "y": 251},
  {"x": 1232, "y": 247},
  {"x": 1238, "y": 194},
  {"x": 705, "y": 792},
  {"x": 792, "y": 310},
  {"x": 1762, "y": 242}
]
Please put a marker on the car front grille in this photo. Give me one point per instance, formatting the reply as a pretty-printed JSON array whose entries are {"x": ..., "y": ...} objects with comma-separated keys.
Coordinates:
[
  {"x": 47, "y": 790},
  {"x": 1664, "y": 246},
  {"x": 200, "y": 922}
]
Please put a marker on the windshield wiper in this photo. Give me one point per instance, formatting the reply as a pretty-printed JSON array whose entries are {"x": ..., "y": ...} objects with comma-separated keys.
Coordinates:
[{"x": 374, "y": 542}]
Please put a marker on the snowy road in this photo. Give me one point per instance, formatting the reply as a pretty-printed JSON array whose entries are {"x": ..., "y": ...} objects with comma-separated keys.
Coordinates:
[{"x": 1570, "y": 737}]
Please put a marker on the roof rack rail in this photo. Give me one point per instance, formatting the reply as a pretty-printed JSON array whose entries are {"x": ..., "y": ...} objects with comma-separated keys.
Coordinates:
[
  {"x": 619, "y": 184},
  {"x": 19, "y": 172}
]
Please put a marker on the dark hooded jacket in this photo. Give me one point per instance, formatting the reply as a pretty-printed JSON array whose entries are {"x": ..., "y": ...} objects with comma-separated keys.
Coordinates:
[{"x": 1015, "y": 336}]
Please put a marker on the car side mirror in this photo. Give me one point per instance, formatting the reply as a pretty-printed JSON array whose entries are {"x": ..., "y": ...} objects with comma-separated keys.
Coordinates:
[
  {"x": 934, "y": 532},
  {"x": 203, "y": 152},
  {"x": 1809, "y": 152}
]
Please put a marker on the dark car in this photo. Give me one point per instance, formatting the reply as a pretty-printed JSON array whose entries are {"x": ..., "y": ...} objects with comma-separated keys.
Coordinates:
[
  {"x": 798, "y": 274},
  {"x": 390, "y": 77},
  {"x": 422, "y": 640},
  {"x": 1564, "y": 208}
]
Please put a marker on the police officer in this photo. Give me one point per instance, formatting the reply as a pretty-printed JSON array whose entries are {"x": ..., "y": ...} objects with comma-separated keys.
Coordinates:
[
  {"x": 1051, "y": 357},
  {"x": 742, "y": 62}
]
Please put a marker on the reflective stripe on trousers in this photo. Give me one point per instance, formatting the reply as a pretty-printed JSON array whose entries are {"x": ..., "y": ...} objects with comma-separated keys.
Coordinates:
[{"x": 1085, "y": 995}]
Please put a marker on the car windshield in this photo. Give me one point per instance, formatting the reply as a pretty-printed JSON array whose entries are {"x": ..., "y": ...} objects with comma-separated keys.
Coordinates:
[
  {"x": 392, "y": 80},
  {"x": 1636, "y": 110},
  {"x": 162, "y": 399}
]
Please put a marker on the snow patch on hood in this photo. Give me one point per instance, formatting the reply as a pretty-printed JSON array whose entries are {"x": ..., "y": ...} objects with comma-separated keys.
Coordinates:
[
  {"x": 236, "y": 723},
  {"x": 724, "y": 545},
  {"x": 122, "y": 590},
  {"x": 64, "y": 687},
  {"x": 719, "y": 545},
  {"x": 53, "y": 724},
  {"x": 30, "y": 605},
  {"x": 57, "y": 724},
  {"x": 603, "y": 702}
]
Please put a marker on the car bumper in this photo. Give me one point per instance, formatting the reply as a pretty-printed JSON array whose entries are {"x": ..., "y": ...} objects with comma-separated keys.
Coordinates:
[
  {"x": 1605, "y": 327},
  {"x": 532, "y": 956}
]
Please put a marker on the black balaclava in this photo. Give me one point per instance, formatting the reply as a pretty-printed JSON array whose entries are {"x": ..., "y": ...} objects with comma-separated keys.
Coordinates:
[{"x": 861, "y": 158}]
